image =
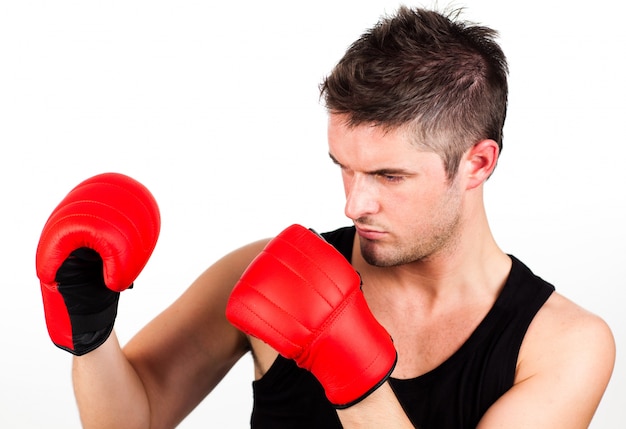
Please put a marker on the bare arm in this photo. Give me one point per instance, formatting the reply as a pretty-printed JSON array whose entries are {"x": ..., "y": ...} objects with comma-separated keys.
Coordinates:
[
  {"x": 171, "y": 364},
  {"x": 104, "y": 376}
]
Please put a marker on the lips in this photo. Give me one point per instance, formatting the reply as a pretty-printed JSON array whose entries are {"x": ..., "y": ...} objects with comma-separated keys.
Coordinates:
[{"x": 369, "y": 233}]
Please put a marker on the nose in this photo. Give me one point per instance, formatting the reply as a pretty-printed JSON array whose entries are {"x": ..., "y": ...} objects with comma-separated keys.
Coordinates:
[{"x": 361, "y": 197}]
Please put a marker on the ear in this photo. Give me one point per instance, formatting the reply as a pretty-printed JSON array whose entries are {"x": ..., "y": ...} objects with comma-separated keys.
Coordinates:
[{"x": 480, "y": 161}]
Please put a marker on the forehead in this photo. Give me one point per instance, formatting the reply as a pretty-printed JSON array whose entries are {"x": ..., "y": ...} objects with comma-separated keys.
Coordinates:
[{"x": 369, "y": 143}]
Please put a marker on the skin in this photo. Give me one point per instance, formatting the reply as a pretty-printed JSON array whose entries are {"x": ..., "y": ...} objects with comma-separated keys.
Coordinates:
[{"x": 424, "y": 249}]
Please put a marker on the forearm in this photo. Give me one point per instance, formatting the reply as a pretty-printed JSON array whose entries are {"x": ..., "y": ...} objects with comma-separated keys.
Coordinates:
[
  {"x": 380, "y": 409},
  {"x": 108, "y": 391}
]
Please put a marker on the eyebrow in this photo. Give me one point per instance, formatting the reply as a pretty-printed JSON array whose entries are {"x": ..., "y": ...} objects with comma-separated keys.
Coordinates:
[
  {"x": 379, "y": 172},
  {"x": 333, "y": 159}
]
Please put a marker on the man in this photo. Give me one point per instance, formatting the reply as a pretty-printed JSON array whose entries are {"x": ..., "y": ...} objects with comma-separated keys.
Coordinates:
[{"x": 467, "y": 336}]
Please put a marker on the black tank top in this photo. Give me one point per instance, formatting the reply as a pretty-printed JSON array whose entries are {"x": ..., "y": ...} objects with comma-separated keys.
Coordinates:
[{"x": 455, "y": 395}]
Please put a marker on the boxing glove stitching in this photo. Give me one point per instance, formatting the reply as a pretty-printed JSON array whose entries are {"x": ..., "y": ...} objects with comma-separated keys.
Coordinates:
[
  {"x": 152, "y": 211},
  {"x": 305, "y": 281},
  {"x": 295, "y": 317},
  {"x": 100, "y": 249},
  {"x": 317, "y": 266},
  {"x": 88, "y": 215},
  {"x": 333, "y": 317},
  {"x": 138, "y": 192},
  {"x": 327, "y": 320},
  {"x": 243, "y": 303},
  {"x": 139, "y": 198}
]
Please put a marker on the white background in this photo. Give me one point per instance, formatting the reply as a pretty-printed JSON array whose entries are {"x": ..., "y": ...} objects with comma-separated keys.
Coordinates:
[{"x": 214, "y": 106}]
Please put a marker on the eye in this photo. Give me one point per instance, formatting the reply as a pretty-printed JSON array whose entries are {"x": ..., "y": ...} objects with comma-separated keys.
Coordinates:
[{"x": 390, "y": 178}]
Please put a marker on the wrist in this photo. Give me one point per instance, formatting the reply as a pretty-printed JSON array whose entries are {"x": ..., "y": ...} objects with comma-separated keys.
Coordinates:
[{"x": 379, "y": 409}]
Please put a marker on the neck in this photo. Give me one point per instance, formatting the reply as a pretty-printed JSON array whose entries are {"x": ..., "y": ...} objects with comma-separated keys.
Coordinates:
[{"x": 471, "y": 264}]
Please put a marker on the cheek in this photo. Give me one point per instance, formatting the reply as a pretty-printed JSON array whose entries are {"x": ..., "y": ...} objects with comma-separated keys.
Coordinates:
[
  {"x": 425, "y": 205},
  {"x": 418, "y": 200},
  {"x": 449, "y": 207}
]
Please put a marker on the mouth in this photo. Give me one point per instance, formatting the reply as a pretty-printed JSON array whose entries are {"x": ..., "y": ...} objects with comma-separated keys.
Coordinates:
[{"x": 369, "y": 233}]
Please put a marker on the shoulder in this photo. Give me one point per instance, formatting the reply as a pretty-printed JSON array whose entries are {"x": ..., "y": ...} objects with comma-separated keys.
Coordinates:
[
  {"x": 563, "y": 369},
  {"x": 236, "y": 261},
  {"x": 566, "y": 336}
]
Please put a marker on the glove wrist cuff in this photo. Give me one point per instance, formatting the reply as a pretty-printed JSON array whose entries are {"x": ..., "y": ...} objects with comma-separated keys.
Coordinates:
[{"x": 90, "y": 331}]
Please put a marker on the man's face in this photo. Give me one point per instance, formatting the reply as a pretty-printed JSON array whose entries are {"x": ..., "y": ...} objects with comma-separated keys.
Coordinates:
[{"x": 398, "y": 196}]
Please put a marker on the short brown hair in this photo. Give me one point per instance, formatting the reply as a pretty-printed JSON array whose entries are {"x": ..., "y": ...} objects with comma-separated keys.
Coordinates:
[{"x": 444, "y": 79}]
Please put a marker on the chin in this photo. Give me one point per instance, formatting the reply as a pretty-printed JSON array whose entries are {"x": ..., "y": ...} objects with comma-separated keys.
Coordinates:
[
  {"x": 373, "y": 255},
  {"x": 380, "y": 260}
]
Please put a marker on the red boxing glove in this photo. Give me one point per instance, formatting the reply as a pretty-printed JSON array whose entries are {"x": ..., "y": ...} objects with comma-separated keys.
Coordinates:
[
  {"x": 93, "y": 246},
  {"x": 303, "y": 298}
]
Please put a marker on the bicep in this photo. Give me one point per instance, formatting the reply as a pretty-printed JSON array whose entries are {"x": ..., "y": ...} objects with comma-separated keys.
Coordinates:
[{"x": 185, "y": 351}]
